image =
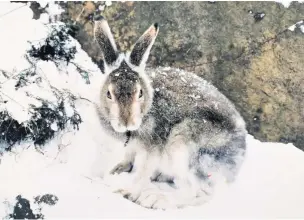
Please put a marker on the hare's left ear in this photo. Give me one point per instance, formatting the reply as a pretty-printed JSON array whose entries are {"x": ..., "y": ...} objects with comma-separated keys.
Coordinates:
[
  {"x": 105, "y": 39},
  {"x": 141, "y": 50}
]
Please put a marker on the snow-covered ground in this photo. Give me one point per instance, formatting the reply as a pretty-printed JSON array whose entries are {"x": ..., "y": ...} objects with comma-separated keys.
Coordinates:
[{"x": 270, "y": 184}]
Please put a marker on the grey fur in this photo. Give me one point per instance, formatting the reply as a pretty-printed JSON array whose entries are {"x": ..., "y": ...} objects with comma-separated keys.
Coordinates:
[
  {"x": 106, "y": 42},
  {"x": 140, "y": 48},
  {"x": 190, "y": 106},
  {"x": 183, "y": 109}
]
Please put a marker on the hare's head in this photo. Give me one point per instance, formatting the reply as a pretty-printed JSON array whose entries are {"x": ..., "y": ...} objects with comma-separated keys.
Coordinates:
[{"x": 126, "y": 94}]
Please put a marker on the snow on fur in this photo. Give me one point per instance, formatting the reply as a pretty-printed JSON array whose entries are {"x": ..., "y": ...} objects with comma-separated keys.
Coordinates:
[{"x": 61, "y": 178}]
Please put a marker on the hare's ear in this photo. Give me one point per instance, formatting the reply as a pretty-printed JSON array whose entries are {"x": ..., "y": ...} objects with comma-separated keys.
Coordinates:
[
  {"x": 105, "y": 39},
  {"x": 141, "y": 50}
]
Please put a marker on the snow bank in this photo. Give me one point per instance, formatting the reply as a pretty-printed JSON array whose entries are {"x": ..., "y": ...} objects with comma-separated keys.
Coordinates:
[
  {"x": 69, "y": 165},
  {"x": 270, "y": 184}
]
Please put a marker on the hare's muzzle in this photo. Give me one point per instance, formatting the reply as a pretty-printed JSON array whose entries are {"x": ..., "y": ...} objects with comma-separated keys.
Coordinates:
[{"x": 130, "y": 116}]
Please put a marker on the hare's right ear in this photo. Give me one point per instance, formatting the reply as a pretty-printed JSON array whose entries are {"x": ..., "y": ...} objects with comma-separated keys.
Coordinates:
[{"x": 105, "y": 39}]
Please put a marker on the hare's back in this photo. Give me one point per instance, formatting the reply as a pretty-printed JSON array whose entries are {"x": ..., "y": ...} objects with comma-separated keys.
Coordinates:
[
  {"x": 180, "y": 95},
  {"x": 184, "y": 91}
]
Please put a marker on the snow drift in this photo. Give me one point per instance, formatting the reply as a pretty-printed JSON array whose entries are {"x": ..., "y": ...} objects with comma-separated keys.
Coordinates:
[{"x": 54, "y": 150}]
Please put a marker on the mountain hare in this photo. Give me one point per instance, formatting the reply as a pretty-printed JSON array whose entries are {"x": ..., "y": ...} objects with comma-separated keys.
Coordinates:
[{"x": 182, "y": 136}]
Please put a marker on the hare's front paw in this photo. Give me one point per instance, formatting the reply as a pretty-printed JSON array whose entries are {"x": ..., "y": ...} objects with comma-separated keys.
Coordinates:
[
  {"x": 129, "y": 194},
  {"x": 155, "y": 199},
  {"x": 122, "y": 167}
]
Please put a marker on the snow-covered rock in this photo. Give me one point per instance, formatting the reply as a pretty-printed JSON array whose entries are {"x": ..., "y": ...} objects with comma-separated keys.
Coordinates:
[{"x": 42, "y": 72}]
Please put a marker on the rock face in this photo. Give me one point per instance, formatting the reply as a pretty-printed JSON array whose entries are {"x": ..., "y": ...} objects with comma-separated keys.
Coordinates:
[{"x": 244, "y": 48}]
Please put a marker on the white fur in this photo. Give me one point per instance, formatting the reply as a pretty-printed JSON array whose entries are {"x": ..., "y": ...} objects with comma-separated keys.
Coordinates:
[
  {"x": 110, "y": 68},
  {"x": 174, "y": 161},
  {"x": 157, "y": 195}
]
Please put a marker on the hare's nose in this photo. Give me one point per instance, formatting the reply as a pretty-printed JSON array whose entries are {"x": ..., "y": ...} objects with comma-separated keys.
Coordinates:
[{"x": 124, "y": 119}]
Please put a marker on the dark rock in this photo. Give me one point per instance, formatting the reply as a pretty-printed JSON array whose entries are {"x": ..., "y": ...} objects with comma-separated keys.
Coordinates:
[
  {"x": 257, "y": 65},
  {"x": 23, "y": 209},
  {"x": 37, "y": 10},
  {"x": 259, "y": 16}
]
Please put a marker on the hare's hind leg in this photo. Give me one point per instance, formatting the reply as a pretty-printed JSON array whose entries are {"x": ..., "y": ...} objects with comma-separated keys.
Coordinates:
[
  {"x": 185, "y": 185},
  {"x": 175, "y": 161},
  {"x": 194, "y": 150}
]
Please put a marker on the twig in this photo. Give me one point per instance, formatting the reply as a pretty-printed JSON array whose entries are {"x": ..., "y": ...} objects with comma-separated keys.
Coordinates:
[
  {"x": 92, "y": 180},
  {"x": 86, "y": 100},
  {"x": 77, "y": 19},
  {"x": 12, "y": 10}
]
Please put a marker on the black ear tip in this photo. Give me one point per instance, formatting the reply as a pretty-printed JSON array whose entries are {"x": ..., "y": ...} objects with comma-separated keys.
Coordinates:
[{"x": 156, "y": 25}]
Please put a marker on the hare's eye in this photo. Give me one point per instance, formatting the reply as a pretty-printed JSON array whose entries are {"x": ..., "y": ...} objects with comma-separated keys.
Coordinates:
[
  {"x": 140, "y": 94},
  {"x": 109, "y": 95}
]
